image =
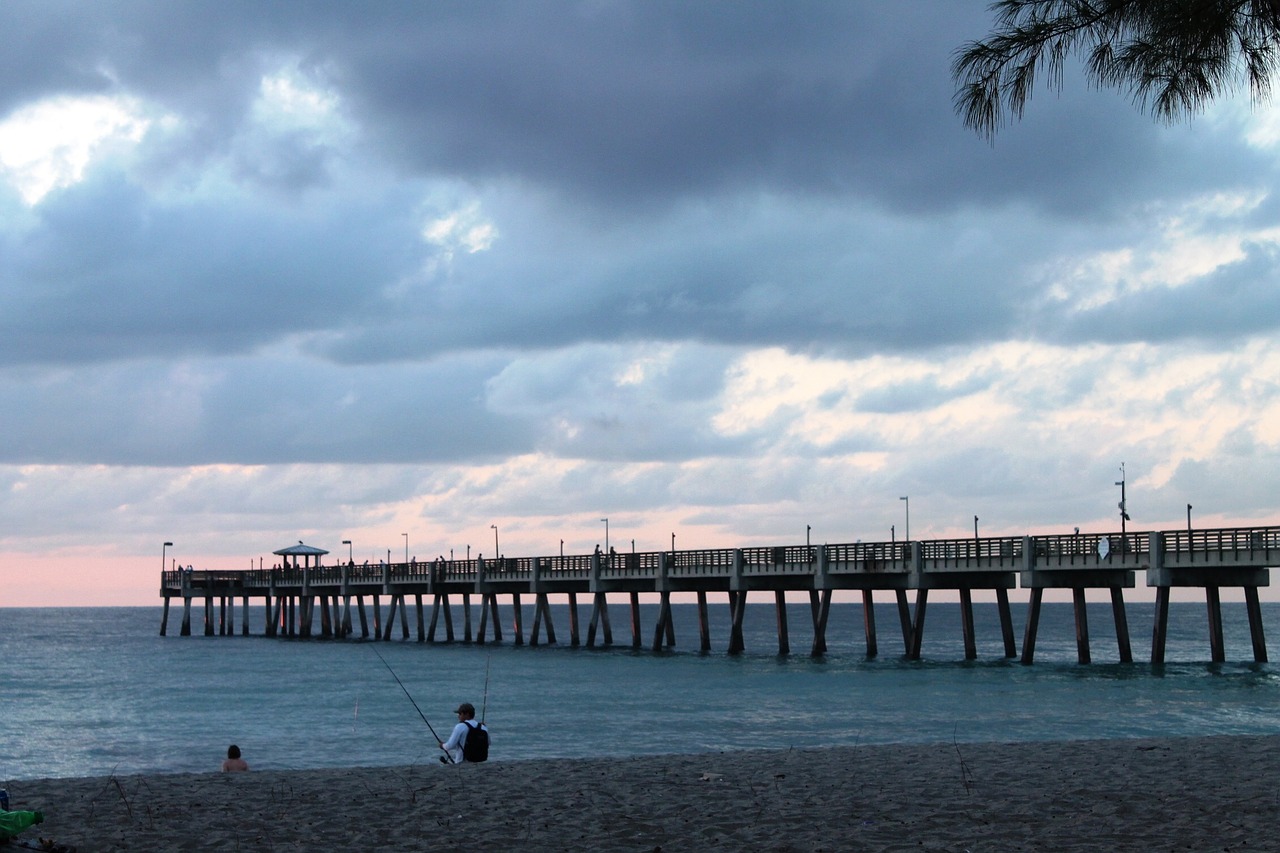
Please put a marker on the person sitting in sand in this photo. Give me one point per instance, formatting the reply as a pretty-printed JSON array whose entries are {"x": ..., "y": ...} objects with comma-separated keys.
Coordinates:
[
  {"x": 456, "y": 745},
  {"x": 234, "y": 763}
]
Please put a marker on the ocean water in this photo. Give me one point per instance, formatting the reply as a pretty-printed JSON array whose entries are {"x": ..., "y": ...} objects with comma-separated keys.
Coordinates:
[{"x": 97, "y": 691}]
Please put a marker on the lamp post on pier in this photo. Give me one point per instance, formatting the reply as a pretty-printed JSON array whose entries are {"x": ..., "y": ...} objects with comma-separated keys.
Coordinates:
[
  {"x": 907, "y": 534},
  {"x": 350, "y": 559},
  {"x": 1188, "y": 524},
  {"x": 606, "y": 534},
  {"x": 496, "y": 553},
  {"x": 168, "y": 545},
  {"x": 1124, "y": 509},
  {"x": 406, "y": 548}
]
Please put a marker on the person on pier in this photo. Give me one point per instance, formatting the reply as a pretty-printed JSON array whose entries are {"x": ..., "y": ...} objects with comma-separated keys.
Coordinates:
[{"x": 456, "y": 746}]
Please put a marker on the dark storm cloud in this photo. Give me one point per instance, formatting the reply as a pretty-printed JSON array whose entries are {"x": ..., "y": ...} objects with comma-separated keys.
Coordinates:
[
  {"x": 625, "y": 105},
  {"x": 742, "y": 175},
  {"x": 108, "y": 272}
]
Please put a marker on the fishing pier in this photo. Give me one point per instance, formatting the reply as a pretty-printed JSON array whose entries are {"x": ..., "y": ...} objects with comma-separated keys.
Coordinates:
[{"x": 305, "y": 598}]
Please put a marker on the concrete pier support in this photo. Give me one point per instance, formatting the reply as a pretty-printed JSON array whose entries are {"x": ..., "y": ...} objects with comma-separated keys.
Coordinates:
[
  {"x": 495, "y": 621},
  {"x": 1160, "y": 627},
  {"x": 435, "y": 617},
  {"x": 869, "y": 624},
  {"x": 1033, "y": 625},
  {"x": 904, "y": 620},
  {"x": 1254, "y": 609},
  {"x": 1122, "y": 625},
  {"x": 482, "y": 631},
  {"x": 574, "y": 638},
  {"x": 164, "y": 618},
  {"x": 1006, "y": 623},
  {"x": 1082, "y": 625},
  {"x": 1217, "y": 647},
  {"x": 663, "y": 629},
  {"x": 541, "y": 615},
  {"x": 917, "y": 625},
  {"x": 599, "y": 618},
  {"x": 517, "y": 622},
  {"x": 704, "y": 627},
  {"x": 780, "y": 610},
  {"x": 966, "y": 624},
  {"x": 663, "y": 625},
  {"x": 819, "y": 610},
  {"x": 636, "y": 639},
  {"x": 737, "y": 611},
  {"x": 326, "y": 606}
]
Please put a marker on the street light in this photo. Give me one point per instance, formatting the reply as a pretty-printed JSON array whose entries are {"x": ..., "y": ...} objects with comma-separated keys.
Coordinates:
[
  {"x": 350, "y": 559},
  {"x": 975, "y": 527},
  {"x": 907, "y": 498},
  {"x": 1188, "y": 522},
  {"x": 606, "y": 534},
  {"x": 1124, "y": 510},
  {"x": 169, "y": 545},
  {"x": 406, "y": 548},
  {"x": 496, "y": 552}
]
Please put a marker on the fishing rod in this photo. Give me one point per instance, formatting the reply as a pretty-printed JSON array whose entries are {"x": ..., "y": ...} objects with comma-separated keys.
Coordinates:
[{"x": 406, "y": 693}]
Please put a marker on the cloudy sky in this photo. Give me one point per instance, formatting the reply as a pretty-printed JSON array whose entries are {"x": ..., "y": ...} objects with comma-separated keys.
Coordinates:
[{"x": 329, "y": 271}]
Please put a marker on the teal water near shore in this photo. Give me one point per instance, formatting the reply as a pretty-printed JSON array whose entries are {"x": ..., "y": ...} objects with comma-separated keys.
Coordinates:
[{"x": 96, "y": 691}]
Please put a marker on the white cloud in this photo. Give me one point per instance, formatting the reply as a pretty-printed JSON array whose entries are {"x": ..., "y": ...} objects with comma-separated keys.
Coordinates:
[
  {"x": 462, "y": 230},
  {"x": 50, "y": 144}
]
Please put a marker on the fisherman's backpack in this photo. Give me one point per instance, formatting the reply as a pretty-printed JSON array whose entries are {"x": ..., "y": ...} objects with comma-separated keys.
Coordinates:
[{"x": 476, "y": 747}]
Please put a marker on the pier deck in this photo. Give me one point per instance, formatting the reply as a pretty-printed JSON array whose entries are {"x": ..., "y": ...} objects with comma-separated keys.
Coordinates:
[{"x": 296, "y": 595}]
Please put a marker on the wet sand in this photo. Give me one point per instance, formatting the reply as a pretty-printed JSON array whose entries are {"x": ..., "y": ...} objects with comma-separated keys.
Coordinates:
[{"x": 1198, "y": 794}]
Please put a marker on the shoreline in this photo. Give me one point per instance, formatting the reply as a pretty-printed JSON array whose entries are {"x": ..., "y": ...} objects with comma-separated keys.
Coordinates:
[{"x": 1196, "y": 793}]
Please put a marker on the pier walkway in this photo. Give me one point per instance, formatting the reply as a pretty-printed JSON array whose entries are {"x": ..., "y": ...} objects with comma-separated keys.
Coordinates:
[{"x": 309, "y": 600}]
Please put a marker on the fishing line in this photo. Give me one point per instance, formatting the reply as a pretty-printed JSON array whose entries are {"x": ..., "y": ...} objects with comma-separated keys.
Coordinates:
[
  {"x": 406, "y": 693},
  {"x": 484, "y": 706}
]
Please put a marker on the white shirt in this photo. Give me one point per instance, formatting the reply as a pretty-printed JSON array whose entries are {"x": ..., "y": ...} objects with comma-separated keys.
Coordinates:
[{"x": 457, "y": 738}]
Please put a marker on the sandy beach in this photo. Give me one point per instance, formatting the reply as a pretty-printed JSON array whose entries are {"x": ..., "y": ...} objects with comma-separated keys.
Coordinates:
[{"x": 1198, "y": 794}]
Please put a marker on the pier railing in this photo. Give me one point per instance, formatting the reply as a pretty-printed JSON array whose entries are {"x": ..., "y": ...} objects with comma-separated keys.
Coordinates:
[{"x": 1232, "y": 546}]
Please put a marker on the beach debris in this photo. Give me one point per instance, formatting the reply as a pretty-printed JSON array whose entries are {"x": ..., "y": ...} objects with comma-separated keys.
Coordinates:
[
  {"x": 11, "y": 823},
  {"x": 711, "y": 777},
  {"x": 46, "y": 844}
]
